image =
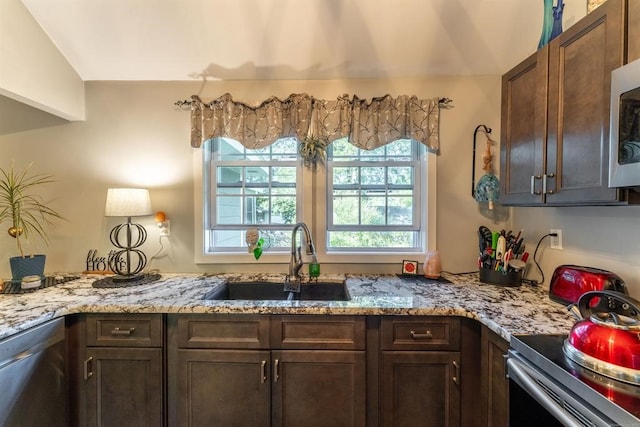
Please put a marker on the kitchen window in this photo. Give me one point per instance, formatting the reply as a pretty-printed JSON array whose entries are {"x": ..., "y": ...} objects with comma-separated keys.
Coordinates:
[
  {"x": 378, "y": 205},
  {"x": 375, "y": 197}
]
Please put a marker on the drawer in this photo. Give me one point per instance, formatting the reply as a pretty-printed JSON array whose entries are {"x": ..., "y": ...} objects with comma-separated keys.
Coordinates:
[
  {"x": 223, "y": 331},
  {"x": 318, "y": 332},
  {"x": 421, "y": 333},
  {"x": 125, "y": 330}
]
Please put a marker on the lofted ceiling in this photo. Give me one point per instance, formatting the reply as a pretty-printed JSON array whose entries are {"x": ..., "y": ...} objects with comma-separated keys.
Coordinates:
[{"x": 292, "y": 39}]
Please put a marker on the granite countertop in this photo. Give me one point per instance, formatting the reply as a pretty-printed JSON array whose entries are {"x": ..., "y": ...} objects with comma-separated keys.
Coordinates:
[{"x": 505, "y": 310}]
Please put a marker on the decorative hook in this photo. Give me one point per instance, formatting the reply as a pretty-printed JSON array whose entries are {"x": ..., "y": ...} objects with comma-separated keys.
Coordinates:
[{"x": 487, "y": 131}]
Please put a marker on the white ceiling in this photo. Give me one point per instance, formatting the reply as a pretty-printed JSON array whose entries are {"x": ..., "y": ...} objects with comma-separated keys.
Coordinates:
[{"x": 292, "y": 39}]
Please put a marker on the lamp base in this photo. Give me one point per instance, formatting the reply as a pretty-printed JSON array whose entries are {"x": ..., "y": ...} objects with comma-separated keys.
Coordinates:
[{"x": 125, "y": 281}]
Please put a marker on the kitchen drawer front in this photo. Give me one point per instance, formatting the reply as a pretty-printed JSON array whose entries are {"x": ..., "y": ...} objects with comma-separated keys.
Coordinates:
[
  {"x": 124, "y": 330},
  {"x": 420, "y": 333},
  {"x": 223, "y": 331},
  {"x": 318, "y": 332}
]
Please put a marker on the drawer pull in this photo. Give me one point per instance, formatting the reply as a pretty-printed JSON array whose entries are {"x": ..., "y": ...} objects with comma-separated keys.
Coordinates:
[
  {"x": 417, "y": 336},
  {"x": 88, "y": 372},
  {"x": 456, "y": 372},
  {"x": 120, "y": 332},
  {"x": 263, "y": 369},
  {"x": 276, "y": 369}
]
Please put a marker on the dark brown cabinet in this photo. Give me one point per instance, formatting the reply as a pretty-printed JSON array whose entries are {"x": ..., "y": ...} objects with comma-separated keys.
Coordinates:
[
  {"x": 122, "y": 370},
  {"x": 555, "y": 116},
  {"x": 267, "y": 370},
  {"x": 494, "y": 384},
  {"x": 633, "y": 30},
  {"x": 421, "y": 374}
]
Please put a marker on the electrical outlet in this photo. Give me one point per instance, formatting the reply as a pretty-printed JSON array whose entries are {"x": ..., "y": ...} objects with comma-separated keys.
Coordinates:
[
  {"x": 556, "y": 241},
  {"x": 165, "y": 228}
]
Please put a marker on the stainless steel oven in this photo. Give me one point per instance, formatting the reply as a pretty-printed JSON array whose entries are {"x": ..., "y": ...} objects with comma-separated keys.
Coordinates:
[{"x": 546, "y": 388}]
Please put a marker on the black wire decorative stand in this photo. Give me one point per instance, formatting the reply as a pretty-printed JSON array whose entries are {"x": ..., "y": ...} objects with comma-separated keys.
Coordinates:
[{"x": 120, "y": 282}]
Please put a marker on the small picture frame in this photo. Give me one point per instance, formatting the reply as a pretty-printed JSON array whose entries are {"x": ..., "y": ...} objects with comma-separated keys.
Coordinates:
[{"x": 409, "y": 267}]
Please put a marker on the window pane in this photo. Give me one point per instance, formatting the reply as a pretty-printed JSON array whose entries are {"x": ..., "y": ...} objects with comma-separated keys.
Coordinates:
[
  {"x": 345, "y": 210},
  {"x": 229, "y": 175},
  {"x": 400, "y": 210},
  {"x": 373, "y": 176},
  {"x": 229, "y": 210},
  {"x": 374, "y": 206},
  {"x": 255, "y": 175},
  {"x": 345, "y": 175},
  {"x": 400, "y": 175},
  {"x": 373, "y": 211},
  {"x": 371, "y": 239},
  {"x": 249, "y": 187}
]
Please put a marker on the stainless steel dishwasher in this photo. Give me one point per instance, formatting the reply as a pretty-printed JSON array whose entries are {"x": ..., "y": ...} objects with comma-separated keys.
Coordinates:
[{"x": 33, "y": 384}]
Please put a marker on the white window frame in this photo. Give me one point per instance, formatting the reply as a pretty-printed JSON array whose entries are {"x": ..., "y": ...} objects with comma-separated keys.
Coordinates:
[{"x": 312, "y": 210}]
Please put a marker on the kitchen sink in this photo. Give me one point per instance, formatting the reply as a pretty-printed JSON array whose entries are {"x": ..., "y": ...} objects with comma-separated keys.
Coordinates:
[{"x": 314, "y": 291}]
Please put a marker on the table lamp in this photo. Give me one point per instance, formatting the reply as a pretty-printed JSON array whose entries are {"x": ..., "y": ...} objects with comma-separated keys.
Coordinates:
[{"x": 128, "y": 261}]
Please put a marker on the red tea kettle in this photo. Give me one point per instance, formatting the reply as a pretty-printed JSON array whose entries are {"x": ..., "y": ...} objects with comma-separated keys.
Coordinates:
[{"x": 606, "y": 339}]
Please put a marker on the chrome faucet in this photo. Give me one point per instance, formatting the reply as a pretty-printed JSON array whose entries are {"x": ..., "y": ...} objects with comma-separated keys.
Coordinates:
[{"x": 295, "y": 264}]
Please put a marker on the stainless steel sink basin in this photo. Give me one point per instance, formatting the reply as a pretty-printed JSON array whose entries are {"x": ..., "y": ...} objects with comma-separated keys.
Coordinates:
[{"x": 317, "y": 291}]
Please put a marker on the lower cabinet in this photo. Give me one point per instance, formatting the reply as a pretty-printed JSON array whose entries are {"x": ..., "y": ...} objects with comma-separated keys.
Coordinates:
[
  {"x": 494, "y": 384},
  {"x": 283, "y": 370},
  {"x": 420, "y": 377},
  {"x": 124, "y": 387},
  {"x": 119, "y": 374},
  {"x": 266, "y": 370}
]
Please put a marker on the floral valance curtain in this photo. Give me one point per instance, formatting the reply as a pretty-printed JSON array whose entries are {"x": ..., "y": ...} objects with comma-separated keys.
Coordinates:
[{"x": 368, "y": 124}]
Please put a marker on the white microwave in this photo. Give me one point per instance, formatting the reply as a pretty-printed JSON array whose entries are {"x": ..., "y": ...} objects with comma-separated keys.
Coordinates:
[{"x": 624, "y": 131}]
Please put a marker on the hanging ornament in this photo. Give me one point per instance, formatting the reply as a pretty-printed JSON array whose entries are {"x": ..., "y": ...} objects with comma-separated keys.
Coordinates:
[{"x": 487, "y": 192}]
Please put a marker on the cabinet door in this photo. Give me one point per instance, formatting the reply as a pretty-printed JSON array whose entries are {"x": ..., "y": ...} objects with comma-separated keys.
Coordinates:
[
  {"x": 319, "y": 388},
  {"x": 223, "y": 388},
  {"x": 420, "y": 388},
  {"x": 495, "y": 385},
  {"x": 633, "y": 30},
  {"x": 580, "y": 62},
  {"x": 124, "y": 387},
  {"x": 523, "y": 133}
]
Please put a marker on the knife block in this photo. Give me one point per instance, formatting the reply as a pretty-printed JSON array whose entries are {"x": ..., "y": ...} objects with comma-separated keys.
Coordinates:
[{"x": 493, "y": 277}]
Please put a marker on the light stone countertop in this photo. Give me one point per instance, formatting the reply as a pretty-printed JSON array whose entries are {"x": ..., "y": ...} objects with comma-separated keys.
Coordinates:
[{"x": 505, "y": 310}]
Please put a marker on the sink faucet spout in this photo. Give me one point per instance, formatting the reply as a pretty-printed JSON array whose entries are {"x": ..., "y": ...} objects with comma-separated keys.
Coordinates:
[{"x": 296, "y": 263}]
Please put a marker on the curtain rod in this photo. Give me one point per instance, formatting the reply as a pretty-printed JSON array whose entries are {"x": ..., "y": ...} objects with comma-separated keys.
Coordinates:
[{"x": 442, "y": 103}]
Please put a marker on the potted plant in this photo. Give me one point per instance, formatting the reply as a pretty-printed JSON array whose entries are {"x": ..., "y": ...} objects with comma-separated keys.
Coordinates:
[
  {"x": 27, "y": 216},
  {"x": 313, "y": 150}
]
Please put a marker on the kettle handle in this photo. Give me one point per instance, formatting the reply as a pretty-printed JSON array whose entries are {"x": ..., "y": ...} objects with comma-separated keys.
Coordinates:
[{"x": 610, "y": 302}]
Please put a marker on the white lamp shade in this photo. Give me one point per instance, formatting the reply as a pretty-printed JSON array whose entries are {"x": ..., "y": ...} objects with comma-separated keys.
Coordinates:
[{"x": 128, "y": 202}]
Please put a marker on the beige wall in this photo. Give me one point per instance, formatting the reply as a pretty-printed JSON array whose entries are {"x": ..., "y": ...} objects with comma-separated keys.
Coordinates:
[
  {"x": 606, "y": 237},
  {"x": 32, "y": 70},
  {"x": 135, "y": 136}
]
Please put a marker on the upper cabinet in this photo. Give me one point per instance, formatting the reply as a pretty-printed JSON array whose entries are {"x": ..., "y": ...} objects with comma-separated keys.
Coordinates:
[
  {"x": 633, "y": 30},
  {"x": 555, "y": 116}
]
